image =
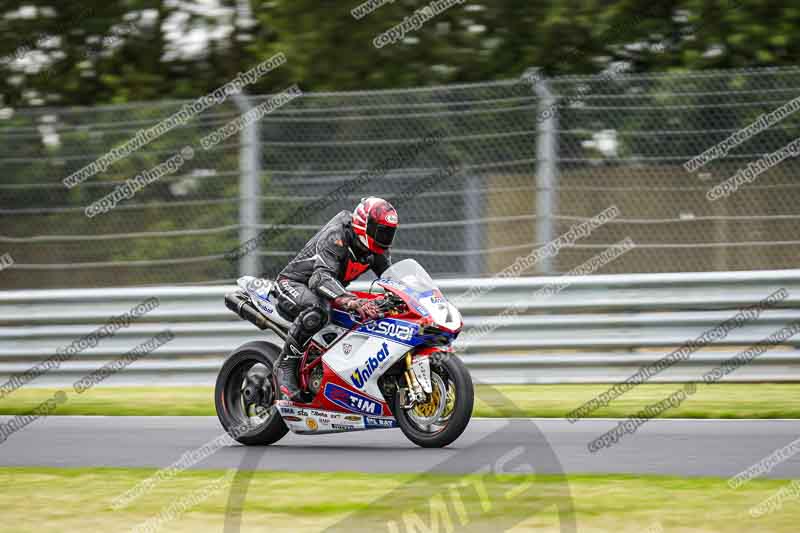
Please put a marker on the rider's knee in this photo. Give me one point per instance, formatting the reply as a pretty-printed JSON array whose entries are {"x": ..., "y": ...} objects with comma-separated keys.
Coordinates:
[{"x": 313, "y": 318}]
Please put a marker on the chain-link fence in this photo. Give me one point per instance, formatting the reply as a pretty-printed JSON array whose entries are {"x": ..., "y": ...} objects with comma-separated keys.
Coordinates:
[{"x": 477, "y": 172}]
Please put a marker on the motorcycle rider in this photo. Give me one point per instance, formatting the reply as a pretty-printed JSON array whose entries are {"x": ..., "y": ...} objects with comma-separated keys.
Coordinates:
[{"x": 343, "y": 249}]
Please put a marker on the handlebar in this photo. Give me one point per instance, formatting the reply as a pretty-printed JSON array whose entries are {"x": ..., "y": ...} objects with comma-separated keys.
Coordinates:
[
  {"x": 389, "y": 302},
  {"x": 386, "y": 303}
]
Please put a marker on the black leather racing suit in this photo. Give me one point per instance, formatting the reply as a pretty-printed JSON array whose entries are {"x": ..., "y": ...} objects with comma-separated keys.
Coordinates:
[{"x": 320, "y": 272}]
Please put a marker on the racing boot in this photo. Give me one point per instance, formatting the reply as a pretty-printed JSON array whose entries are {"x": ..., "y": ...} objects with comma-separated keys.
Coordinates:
[{"x": 286, "y": 372}]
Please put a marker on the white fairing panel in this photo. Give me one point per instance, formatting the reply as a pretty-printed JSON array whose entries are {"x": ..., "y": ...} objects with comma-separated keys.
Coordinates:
[
  {"x": 442, "y": 312},
  {"x": 360, "y": 359},
  {"x": 258, "y": 289}
]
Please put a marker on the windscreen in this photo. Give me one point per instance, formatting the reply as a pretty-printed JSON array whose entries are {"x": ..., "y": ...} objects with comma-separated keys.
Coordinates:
[
  {"x": 414, "y": 281},
  {"x": 411, "y": 274}
]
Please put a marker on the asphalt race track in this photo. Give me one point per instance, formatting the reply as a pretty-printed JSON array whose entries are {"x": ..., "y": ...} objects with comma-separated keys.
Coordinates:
[{"x": 674, "y": 447}]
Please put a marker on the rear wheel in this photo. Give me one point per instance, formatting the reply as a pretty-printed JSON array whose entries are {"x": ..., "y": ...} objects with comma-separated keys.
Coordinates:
[
  {"x": 443, "y": 418},
  {"x": 245, "y": 397}
]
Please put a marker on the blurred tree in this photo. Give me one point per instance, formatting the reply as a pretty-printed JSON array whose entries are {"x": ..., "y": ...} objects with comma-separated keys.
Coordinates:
[{"x": 90, "y": 52}]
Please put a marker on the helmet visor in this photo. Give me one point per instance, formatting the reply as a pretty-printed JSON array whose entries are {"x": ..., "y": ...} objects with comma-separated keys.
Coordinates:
[{"x": 381, "y": 234}]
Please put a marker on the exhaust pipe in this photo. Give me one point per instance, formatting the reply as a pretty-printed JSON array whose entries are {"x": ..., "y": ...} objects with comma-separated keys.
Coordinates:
[{"x": 240, "y": 304}]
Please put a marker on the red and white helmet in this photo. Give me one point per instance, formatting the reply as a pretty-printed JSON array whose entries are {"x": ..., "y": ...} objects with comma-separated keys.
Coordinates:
[{"x": 375, "y": 223}]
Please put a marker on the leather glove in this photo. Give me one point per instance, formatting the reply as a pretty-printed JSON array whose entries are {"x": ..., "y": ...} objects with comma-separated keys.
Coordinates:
[{"x": 366, "y": 309}]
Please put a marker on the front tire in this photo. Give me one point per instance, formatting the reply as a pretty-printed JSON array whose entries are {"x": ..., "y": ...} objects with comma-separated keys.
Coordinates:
[
  {"x": 245, "y": 397},
  {"x": 454, "y": 374}
]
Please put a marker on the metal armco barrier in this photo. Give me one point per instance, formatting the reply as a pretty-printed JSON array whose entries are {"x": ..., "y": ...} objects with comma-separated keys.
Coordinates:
[{"x": 600, "y": 328}]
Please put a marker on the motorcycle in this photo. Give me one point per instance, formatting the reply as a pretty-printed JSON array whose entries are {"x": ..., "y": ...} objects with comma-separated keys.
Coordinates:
[{"x": 396, "y": 371}]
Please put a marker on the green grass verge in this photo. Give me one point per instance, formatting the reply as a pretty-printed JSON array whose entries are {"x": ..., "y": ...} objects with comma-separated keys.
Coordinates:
[
  {"x": 40, "y": 500},
  {"x": 727, "y": 400}
]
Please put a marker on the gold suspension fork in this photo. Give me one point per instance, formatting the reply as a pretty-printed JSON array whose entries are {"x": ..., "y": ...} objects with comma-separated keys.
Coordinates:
[{"x": 411, "y": 380}]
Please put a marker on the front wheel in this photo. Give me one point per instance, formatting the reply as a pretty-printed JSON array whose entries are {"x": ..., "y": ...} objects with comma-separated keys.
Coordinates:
[
  {"x": 244, "y": 395},
  {"x": 444, "y": 417}
]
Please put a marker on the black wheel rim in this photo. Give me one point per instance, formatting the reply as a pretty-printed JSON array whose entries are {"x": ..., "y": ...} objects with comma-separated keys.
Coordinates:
[{"x": 249, "y": 396}]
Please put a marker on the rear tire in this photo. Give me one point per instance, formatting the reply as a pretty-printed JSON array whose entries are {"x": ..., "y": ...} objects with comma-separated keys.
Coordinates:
[
  {"x": 451, "y": 367},
  {"x": 231, "y": 412}
]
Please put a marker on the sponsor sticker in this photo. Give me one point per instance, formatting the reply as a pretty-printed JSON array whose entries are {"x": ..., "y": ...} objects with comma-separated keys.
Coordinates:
[
  {"x": 393, "y": 330},
  {"x": 312, "y": 424},
  {"x": 262, "y": 302},
  {"x": 360, "y": 376},
  {"x": 351, "y": 401},
  {"x": 373, "y": 422}
]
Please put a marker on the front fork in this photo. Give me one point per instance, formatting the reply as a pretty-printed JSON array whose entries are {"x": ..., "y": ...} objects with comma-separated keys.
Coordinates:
[{"x": 418, "y": 379}]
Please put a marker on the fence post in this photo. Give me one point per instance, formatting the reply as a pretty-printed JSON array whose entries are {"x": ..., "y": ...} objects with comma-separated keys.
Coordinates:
[
  {"x": 473, "y": 263},
  {"x": 546, "y": 165},
  {"x": 249, "y": 187}
]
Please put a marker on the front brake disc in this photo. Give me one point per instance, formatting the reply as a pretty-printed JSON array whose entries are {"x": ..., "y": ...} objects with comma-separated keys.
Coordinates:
[{"x": 430, "y": 412}]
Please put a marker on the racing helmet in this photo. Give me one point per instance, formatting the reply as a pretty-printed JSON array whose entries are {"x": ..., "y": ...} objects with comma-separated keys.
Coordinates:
[{"x": 375, "y": 223}]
